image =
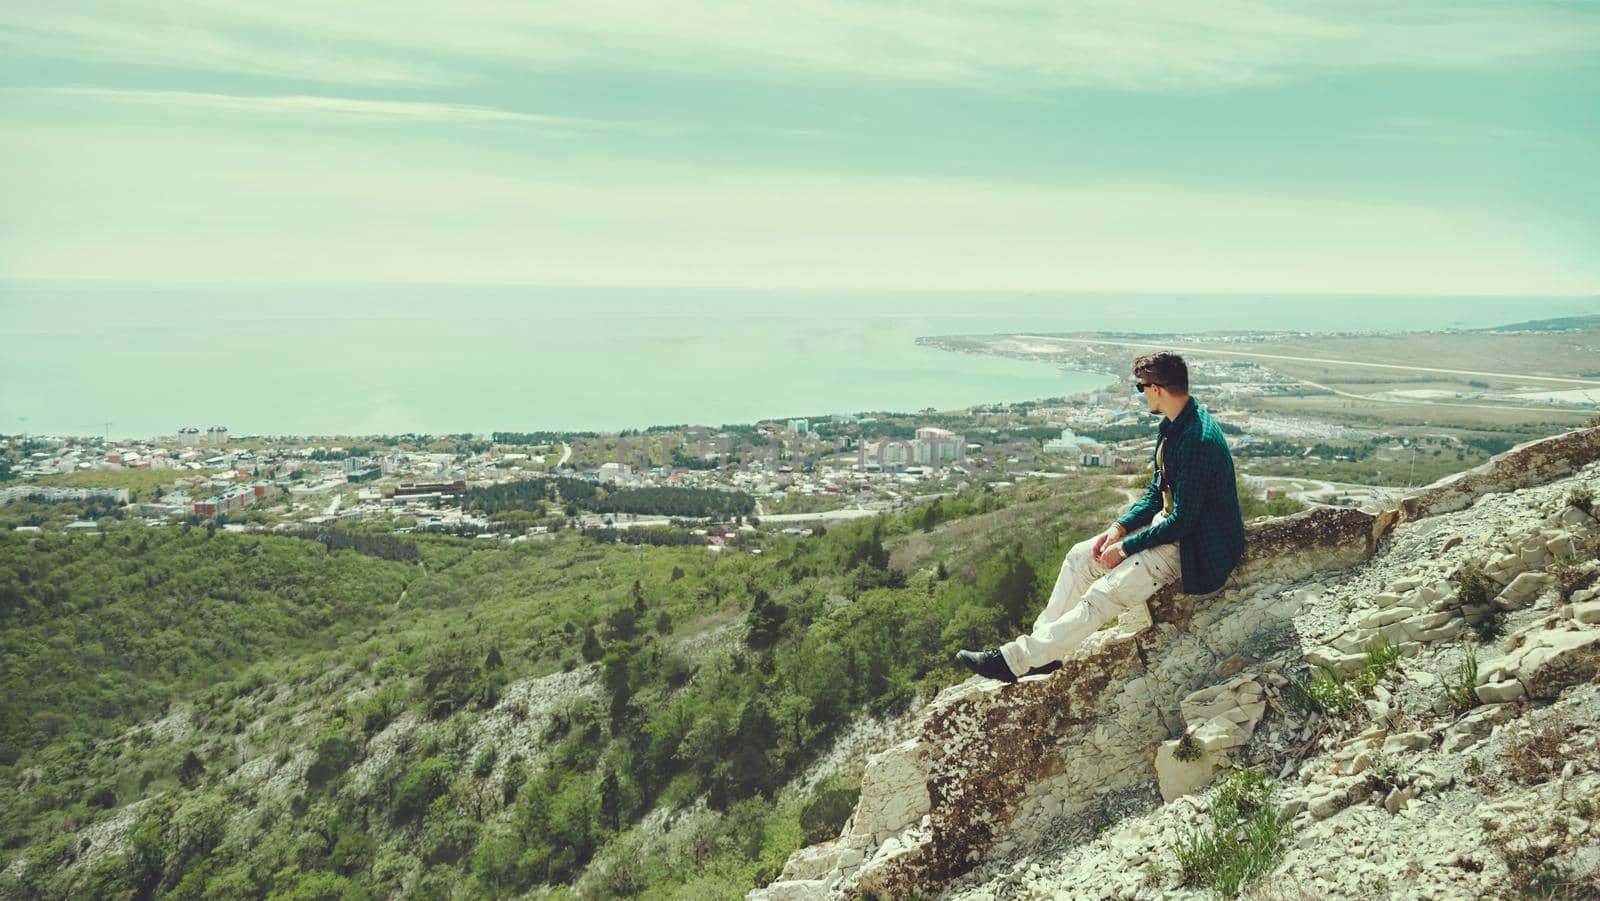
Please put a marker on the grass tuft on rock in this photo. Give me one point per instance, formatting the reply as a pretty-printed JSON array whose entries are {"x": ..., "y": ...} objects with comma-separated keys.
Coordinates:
[
  {"x": 1244, "y": 840},
  {"x": 1331, "y": 692}
]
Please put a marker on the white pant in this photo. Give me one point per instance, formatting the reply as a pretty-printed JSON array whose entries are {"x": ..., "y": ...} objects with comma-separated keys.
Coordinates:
[{"x": 1087, "y": 596}]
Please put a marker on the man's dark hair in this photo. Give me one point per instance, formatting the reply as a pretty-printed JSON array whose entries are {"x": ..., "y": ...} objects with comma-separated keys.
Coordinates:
[{"x": 1163, "y": 368}]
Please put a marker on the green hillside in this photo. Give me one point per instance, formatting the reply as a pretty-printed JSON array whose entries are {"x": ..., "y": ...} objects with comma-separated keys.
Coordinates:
[{"x": 192, "y": 713}]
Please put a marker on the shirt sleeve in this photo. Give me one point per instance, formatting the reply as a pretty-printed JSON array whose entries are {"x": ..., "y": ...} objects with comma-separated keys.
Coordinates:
[
  {"x": 1144, "y": 509},
  {"x": 1195, "y": 471}
]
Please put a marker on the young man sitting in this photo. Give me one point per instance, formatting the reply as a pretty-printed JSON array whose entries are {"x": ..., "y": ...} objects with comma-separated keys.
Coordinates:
[{"x": 1187, "y": 526}]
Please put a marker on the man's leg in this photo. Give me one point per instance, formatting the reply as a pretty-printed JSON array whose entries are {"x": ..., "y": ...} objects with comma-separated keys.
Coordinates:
[
  {"x": 1079, "y": 569},
  {"x": 1132, "y": 582}
]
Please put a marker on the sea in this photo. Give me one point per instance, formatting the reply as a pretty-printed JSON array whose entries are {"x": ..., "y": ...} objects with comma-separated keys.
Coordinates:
[{"x": 135, "y": 360}]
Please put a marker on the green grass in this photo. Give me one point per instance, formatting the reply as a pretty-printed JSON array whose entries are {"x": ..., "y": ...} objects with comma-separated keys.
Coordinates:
[
  {"x": 805, "y": 503},
  {"x": 1459, "y": 692},
  {"x": 1244, "y": 840},
  {"x": 1333, "y": 693}
]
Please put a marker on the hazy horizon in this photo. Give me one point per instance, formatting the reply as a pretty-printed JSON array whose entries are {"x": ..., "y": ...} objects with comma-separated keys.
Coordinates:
[{"x": 366, "y": 359}]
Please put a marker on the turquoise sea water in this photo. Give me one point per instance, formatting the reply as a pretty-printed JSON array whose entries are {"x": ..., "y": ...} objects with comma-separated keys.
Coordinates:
[{"x": 302, "y": 359}]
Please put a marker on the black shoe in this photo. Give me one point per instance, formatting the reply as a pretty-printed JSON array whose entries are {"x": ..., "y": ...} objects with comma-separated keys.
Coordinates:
[
  {"x": 1045, "y": 670},
  {"x": 989, "y": 664}
]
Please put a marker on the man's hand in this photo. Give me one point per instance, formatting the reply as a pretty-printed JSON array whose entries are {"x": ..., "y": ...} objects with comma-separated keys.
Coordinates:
[
  {"x": 1112, "y": 555},
  {"x": 1111, "y": 535}
]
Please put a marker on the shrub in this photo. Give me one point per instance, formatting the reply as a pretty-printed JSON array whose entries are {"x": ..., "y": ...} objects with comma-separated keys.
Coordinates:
[
  {"x": 1570, "y": 577},
  {"x": 315, "y": 885},
  {"x": 1537, "y": 758},
  {"x": 1473, "y": 588},
  {"x": 332, "y": 753},
  {"x": 381, "y": 708},
  {"x": 1244, "y": 840},
  {"x": 1188, "y": 750},
  {"x": 1460, "y": 691},
  {"x": 1582, "y": 497},
  {"x": 1330, "y": 692},
  {"x": 456, "y": 675},
  {"x": 191, "y": 769},
  {"x": 103, "y": 797},
  {"x": 825, "y": 814},
  {"x": 484, "y": 765},
  {"x": 1476, "y": 591},
  {"x": 419, "y": 786},
  {"x": 448, "y": 837}
]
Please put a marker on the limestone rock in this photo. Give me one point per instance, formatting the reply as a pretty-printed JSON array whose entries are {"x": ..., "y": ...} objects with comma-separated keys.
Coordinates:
[
  {"x": 1561, "y": 545},
  {"x": 894, "y": 792},
  {"x": 1407, "y": 741},
  {"x": 1177, "y": 778},
  {"x": 1550, "y": 660},
  {"x": 1239, "y": 700},
  {"x": 1398, "y": 798},
  {"x": 1527, "y": 464},
  {"x": 792, "y": 890},
  {"x": 1573, "y": 518},
  {"x": 1501, "y": 692},
  {"x": 1522, "y": 590}
]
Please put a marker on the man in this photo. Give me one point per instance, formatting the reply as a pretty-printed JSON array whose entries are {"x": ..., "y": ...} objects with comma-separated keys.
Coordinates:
[{"x": 1187, "y": 526}]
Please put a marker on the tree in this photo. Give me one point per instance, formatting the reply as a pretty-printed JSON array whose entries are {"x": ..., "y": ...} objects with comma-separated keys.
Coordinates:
[
  {"x": 591, "y": 646},
  {"x": 869, "y": 549},
  {"x": 610, "y": 797},
  {"x": 764, "y": 620},
  {"x": 192, "y": 768},
  {"x": 750, "y": 769},
  {"x": 1007, "y": 581}
]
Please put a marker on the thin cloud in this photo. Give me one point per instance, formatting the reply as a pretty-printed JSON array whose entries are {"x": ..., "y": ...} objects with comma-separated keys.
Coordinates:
[
  {"x": 1431, "y": 130},
  {"x": 198, "y": 43},
  {"x": 1136, "y": 45},
  {"x": 308, "y": 104}
]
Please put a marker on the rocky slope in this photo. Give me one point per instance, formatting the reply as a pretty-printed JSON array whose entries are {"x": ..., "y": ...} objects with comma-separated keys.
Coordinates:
[{"x": 1459, "y": 759}]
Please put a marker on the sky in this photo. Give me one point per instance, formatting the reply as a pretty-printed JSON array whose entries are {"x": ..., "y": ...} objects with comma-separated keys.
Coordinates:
[{"x": 1063, "y": 145}]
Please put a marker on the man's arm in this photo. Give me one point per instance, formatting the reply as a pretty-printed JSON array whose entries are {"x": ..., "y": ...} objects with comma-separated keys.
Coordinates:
[
  {"x": 1196, "y": 470},
  {"x": 1111, "y": 535},
  {"x": 1144, "y": 509}
]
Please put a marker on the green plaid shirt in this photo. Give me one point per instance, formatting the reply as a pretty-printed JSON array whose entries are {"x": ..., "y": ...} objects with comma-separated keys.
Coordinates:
[{"x": 1205, "y": 518}]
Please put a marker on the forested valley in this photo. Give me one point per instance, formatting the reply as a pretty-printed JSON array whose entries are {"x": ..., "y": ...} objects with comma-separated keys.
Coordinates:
[{"x": 349, "y": 713}]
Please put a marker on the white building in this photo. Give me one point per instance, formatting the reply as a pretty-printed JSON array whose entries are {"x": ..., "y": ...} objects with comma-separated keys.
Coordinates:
[
  {"x": 217, "y": 434},
  {"x": 932, "y": 445},
  {"x": 621, "y": 473},
  {"x": 799, "y": 426},
  {"x": 1068, "y": 443}
]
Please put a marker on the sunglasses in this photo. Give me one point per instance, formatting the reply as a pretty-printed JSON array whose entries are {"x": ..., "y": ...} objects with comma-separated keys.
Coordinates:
[{"x": 1143, "y": 385}]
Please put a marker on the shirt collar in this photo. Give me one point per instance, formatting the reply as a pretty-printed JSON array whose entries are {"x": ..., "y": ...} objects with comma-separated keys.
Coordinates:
[{"x": 1182, "y": 420}]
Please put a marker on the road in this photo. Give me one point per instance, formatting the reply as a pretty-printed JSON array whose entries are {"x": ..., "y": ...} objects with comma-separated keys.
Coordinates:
[
  {"x": 620, "y": 521},
  {"x": 1365, "y": 397},
  {"x": 333, "y": 505},
  {"x": 566, "y": 454},
  {"x": 1240, "y": 353},
  {"x": 1309, "y": 491}
]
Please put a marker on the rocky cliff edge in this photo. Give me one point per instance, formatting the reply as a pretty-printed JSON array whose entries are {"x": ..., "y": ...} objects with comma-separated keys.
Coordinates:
[{"x": 1080, "y": 783}]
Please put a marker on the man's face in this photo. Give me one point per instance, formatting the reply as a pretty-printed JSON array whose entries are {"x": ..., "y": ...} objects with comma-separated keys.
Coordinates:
[{"x": 1149, "y": 395}]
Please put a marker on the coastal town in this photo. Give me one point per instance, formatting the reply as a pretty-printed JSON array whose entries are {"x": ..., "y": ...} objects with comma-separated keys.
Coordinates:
[{"x": 799, "y": 472}]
